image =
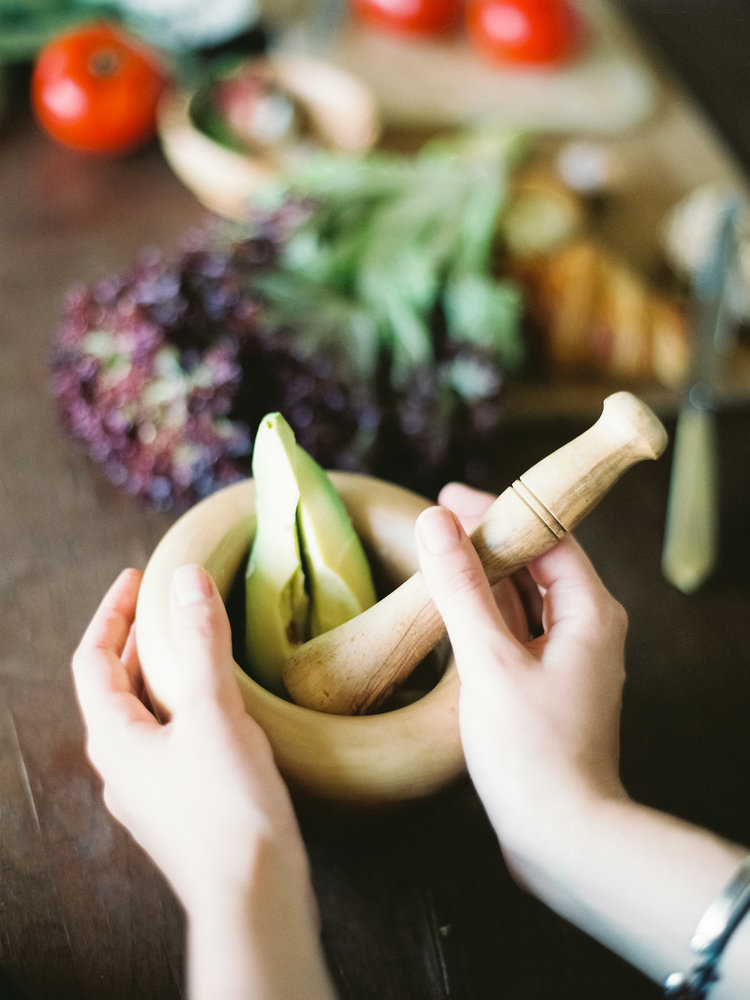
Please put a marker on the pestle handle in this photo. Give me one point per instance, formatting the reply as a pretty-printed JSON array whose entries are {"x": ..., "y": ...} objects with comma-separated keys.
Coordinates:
[{"x": 355, "y": 667}]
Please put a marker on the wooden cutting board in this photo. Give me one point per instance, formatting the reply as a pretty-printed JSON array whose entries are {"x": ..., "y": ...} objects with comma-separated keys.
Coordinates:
[
  {"x": 617, "y": 96},
  {"x": 607, "y": 88}
]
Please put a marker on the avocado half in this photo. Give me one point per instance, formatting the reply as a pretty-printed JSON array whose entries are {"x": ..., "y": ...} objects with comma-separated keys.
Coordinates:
[{"x": 307, "y": 571}]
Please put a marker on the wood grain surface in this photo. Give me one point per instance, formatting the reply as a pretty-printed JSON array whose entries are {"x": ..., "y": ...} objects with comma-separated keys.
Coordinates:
[{"x": 417, "y": 905}]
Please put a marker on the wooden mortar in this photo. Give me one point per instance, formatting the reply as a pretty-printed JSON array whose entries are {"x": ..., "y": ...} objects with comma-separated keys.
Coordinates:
[
  {"x": 395, "y": 757},
  {"x": 409, "y": 752}
]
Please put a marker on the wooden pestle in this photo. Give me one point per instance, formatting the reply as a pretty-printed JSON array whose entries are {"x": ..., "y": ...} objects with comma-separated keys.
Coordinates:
[{"x": 357, "y": 666}]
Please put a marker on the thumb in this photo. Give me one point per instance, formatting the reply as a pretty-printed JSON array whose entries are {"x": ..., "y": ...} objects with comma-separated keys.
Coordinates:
[
  {"x": 202, "y": 637},
  {"x": 457, "y": 583}
]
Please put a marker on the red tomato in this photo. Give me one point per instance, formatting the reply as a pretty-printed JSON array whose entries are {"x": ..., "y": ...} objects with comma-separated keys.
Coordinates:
[
  {"x": 96, "y": 89},
  {"x": 411, "y": 17},
  {"x": 540, "y": 32}
]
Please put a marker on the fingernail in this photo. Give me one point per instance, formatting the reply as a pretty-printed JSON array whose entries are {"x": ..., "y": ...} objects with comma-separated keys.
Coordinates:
[
  {"x": 191, "y": 585},
  {"x": 438, "y": 530}
]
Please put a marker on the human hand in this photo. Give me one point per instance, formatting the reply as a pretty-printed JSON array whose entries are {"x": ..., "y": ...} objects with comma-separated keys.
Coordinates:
[
  {"x": 203, "y": 786},
  {"x": 202, "y": 794},
  {"x": 539, "y": 723},
  {"x": 539, "y": 717}
]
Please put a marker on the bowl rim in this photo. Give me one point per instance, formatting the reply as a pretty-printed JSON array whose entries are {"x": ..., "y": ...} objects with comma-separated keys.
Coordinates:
[
  {"x": 399, "y": 755},
  {"x": 341, "y": 106}
]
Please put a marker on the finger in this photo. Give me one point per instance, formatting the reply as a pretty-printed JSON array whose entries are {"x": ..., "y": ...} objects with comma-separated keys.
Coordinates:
[
  {"x": 110, "y": 626},
  {"x": 573, "y": 590},
  {"x": 468, "y": 504},
  {"x": 458, "y": 585},
  {"x": 530, "y": 598},
  {"x": 565, "y": 557},
  {"x": 511, "y": 607},
  {"x": 97, "y": 665},
  {"x": 202, "y": 636},
  {"x": 103, "y": 684},
  {"x": 132, "y": 664}
]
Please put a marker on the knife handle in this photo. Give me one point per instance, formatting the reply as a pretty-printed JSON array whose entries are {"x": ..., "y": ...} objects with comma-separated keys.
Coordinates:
[
  {"x": 692, "y": 525},
  {"x": 355, "y": 667}
]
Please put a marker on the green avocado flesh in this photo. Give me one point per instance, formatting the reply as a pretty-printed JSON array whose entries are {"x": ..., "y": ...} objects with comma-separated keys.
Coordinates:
[{"x": 307, "y": 571}]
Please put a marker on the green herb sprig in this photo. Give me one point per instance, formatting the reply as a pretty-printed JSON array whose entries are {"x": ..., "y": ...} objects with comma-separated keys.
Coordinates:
[{"x": 394, "y": 248}]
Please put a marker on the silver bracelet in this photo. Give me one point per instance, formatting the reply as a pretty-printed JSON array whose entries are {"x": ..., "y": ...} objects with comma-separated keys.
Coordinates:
[{"x": 711, "y": 937}]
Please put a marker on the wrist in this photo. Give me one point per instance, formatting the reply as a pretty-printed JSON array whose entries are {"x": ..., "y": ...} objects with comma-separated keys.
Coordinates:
[
  {"x": 257, "y": 935},
  {"x": 550, "y": 835},
  {"x": 632, "y": 877},
  {"x": 266, "y": 873}
]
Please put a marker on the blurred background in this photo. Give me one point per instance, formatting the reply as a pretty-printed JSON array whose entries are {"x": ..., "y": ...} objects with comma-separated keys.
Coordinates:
[{"x": 435, "y": 240}]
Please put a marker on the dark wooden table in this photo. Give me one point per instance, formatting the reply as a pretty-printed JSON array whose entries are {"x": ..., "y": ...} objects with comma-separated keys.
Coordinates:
[{"x": 416, "y": 906}]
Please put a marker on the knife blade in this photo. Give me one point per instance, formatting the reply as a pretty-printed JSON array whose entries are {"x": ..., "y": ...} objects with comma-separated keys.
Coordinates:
[{"x": 692, "y": 526}]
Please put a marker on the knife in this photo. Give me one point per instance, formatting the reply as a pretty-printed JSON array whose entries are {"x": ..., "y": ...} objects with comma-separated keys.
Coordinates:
[{"x": 692, "y": 522}]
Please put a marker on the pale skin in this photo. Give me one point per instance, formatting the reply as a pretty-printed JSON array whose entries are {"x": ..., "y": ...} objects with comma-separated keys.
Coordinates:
[
  {"x": 548, "y": 709},
  {"x": 203, "y": 797}
]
